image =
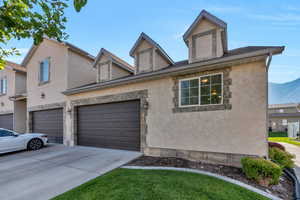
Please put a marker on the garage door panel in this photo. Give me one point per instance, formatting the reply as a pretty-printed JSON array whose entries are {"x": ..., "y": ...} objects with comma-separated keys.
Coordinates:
[
  {"x": 115, "y": 125},
  {"x": 49, "y": 122},
  {"x": 6, "y": 121}
]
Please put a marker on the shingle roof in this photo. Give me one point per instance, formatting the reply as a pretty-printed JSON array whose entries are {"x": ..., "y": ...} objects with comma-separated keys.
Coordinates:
[
  {"x": 182, "y": 66},
  {"x": 286, "y": 105},
  {"x": 144, "y": 36},
  {"x": 118, "y": 61}
]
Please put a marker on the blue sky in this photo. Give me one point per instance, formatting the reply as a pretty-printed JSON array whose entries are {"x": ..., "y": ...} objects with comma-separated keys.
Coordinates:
[{"x": 115, "y": 25}]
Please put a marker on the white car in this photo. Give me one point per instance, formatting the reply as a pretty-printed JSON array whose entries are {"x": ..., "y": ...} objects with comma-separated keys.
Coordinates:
[{"x": 12, "y": 141}]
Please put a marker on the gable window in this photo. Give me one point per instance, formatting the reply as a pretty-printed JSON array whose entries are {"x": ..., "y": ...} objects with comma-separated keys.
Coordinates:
[
  {"x": 44, "y": 71},
  {"x": 203, "y": 90},
  {"x": 3, "y": 85}
]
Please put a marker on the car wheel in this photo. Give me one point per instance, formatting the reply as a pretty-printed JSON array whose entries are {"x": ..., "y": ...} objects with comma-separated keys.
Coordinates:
[{"x": 35, "y": 144}]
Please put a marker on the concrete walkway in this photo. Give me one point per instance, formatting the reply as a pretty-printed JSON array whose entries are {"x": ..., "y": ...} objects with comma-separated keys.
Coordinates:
[
  {"x": 45, "y": 173},
  {"x": 293, "y": 149}
]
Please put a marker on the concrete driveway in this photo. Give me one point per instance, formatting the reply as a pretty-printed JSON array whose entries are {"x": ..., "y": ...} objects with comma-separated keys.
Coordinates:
[{"x": 55, "y": 169}]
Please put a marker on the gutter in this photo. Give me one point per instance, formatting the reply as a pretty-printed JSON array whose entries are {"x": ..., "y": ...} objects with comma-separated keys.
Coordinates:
[{"x": 189, "y": 68}]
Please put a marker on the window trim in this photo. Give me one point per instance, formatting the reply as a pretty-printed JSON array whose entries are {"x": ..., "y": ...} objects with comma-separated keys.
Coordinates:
[
  {"x": 199, "y": 98},
  {"x": 39, "y": 71}
]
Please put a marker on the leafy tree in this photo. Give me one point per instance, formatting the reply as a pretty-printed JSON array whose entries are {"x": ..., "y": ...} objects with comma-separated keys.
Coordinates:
[{"x": 20, "y": 19}]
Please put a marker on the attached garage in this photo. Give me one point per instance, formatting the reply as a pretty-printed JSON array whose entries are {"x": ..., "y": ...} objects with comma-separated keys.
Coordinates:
[
  {"x": 49, "y": 122},
  {"x": 7, "y": 121},
  {"x": 113, "y": 125}
]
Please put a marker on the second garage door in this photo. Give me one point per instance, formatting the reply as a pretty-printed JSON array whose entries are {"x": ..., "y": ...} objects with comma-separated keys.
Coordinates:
[
  {"x": 49, "y": 122},
  {"x": 114, "y": 125},
  {"x": 6, "y": 121}
]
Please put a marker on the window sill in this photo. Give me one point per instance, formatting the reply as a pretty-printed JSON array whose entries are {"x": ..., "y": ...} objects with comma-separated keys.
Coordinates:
[
  {"x": 43, "y": 83},
  {"x": 202, "y": 108}
]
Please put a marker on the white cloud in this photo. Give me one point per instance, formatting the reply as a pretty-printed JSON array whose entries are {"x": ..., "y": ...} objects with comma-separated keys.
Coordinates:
[{"x": 277, "y": 18}]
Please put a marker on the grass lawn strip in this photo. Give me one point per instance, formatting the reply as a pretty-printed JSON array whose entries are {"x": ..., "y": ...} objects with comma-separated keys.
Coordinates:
[
  {"x": 284, "y": 139},
  {"x": 131, "y": 184}
]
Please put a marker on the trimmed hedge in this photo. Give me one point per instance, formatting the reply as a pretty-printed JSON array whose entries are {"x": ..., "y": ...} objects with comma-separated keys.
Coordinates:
[
  {"x": 282, "y": 158},
  {"x": 263, "y": 171},
  {"x": 278, "y": 134},
  {"x": 276, "y": 145}
]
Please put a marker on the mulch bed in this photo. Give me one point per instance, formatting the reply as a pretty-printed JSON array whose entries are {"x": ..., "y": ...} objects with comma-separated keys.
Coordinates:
[{"x": 283, "y": 190}]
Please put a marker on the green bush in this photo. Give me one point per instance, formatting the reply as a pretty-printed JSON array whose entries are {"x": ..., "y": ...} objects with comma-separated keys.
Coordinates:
[
  {"x": 278, "y": 134},
  {"x": 282, "y": 158},
  {"x": 263, "y": 171}
]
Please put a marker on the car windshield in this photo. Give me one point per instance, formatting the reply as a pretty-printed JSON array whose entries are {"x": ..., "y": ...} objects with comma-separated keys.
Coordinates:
[{"x": 5, "y": 133}]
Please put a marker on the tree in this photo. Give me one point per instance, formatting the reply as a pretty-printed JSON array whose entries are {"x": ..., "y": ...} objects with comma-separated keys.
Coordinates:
[{"x": 20, "y": 19}]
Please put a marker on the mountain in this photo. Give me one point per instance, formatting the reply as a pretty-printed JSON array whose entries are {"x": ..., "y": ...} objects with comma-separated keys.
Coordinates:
[{"x": 288, "y": 92}]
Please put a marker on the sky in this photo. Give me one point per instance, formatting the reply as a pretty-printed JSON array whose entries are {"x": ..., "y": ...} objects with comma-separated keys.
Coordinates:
[{"x": 115, "y": 25}]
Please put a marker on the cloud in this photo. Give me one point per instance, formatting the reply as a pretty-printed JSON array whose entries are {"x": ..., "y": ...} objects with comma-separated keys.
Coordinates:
[
  {"x": 291, "y": 8},
  {"x": 277, "y": 18}
]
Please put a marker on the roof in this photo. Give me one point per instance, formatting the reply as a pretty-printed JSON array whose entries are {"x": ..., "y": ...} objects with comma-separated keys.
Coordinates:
[
  {"x": 69, "y": 45},
  {"x": 118, "y": 61},
  {"x": 286, "y": 105},
  {"x": 15, "y": 66},
  {"x": 213, "y": 19},
  {"x": 144, "y": 36},
  {"x": 184, "y": 67},
  {"x": 284, "y": 114}
]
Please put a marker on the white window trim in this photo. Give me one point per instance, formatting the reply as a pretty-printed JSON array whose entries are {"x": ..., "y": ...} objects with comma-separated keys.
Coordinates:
[{"x": 199, "y": 100}]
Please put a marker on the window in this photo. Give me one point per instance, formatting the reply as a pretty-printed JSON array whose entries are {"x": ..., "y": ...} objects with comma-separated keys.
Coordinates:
[
  {"x": 284, "y": 122},
  {"x": 44, "y": 71},
  {"x": 3, "y": 85},
  {"x": 203, "y": 90},
  {"x": 5, "y": 133}
]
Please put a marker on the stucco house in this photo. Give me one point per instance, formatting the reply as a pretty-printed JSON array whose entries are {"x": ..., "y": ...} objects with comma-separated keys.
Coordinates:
[
  {"x": 281, "y": 115},
  {"x": 13, "y": 97},
  {"x": 53, "y": 67},
  {"x": 202, "y": 108}
]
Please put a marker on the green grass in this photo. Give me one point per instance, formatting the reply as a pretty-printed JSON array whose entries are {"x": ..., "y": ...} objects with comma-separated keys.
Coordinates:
[
  {"x": 284, "y": 139},
  {"x": 278, "y": 134},
  {"x": 132, "y": 184}
]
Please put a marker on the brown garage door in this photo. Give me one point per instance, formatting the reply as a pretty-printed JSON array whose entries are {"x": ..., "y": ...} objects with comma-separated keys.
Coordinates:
[
  {"x": 6, "y": 121},
  {"x": 114, "y": 125},
  {"x": 49, "y": 122}
]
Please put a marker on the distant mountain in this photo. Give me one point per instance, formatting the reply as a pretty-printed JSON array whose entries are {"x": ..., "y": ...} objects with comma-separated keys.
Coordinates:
[{"x": 284, "y": 92}]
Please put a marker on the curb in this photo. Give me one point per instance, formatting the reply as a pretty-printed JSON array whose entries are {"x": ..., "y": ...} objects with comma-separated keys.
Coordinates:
[
  {"x": 230, "y": 180},
  {"x": 291, "y": 174}
]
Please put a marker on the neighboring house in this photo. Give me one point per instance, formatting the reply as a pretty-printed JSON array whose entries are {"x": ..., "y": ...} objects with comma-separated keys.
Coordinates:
[
  {"x": 52, "y": 68},
  {"x": 280, "y": 115},
  {"x": 13, "y": 97},
  {"x": 202, "y": 108}
]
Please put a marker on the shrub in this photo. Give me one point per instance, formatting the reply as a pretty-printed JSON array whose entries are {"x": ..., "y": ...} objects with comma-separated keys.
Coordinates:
[
  {"x": 282, "y": 158},
  {"x": 278, "y": 134},
  {"x": 263, "y": 171},
  {"x": 276, "y": 145}
]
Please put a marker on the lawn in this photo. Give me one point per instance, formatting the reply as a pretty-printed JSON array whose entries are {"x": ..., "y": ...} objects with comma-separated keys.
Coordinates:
[
  {"x": 131, "y": 184},
  {"x": 284, "y": 139}
]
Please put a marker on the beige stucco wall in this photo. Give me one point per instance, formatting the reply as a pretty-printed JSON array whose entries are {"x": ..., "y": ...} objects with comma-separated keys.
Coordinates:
[
  {"x": 6, "y": 105},
  {"x": 241, "y": 130},
  {"x": 203, "y": 26},
  {"x": 80, "y": 70},
  {"x": 58, "y": 76}
]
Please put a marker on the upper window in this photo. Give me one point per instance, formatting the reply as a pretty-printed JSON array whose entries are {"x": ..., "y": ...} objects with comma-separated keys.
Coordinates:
[
  {"x": 44, "y": 71},
  {"x": 203, "y": 90},
  {"x": 3, "y": 85}
]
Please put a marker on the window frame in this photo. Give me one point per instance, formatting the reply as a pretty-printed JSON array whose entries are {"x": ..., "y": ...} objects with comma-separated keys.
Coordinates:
[
  {"x": 40, "y": 75},
  {"x": 199, "y": 92},
  {"x": 2, "y": 79}
]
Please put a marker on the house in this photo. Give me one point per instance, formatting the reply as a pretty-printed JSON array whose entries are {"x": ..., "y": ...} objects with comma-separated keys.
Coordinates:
[
  {"x": 13, "y": 97},
  {"x": 202, "y": 108},
  {"x": 280, "y": 115},
  {"x": 53, "y": 67},
  {"x": 198, "y": 109}
]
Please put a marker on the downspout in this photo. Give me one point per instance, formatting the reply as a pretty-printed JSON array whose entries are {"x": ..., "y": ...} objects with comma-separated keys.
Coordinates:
[{"x": 267, "y": 99}]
